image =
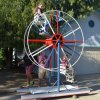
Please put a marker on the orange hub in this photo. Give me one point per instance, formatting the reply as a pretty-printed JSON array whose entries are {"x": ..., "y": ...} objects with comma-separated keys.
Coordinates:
[{"x": 54, "y": 40}]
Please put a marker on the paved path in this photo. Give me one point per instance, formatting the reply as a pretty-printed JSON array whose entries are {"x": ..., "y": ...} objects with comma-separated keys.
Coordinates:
[{"x": 10, "y": 81}]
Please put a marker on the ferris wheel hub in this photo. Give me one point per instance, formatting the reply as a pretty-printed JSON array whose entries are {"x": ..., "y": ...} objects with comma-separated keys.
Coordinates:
[{"x": 54, "y": 40}]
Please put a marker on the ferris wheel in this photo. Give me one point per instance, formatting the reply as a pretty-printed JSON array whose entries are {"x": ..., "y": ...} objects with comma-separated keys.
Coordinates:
[{"x": 50, "y": 30}]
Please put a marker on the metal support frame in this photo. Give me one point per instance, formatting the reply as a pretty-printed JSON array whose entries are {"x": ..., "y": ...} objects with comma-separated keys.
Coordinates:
[{"x": 58, "y": 82}]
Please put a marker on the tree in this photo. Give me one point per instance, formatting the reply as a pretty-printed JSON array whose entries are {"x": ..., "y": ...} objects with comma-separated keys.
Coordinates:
[
  {"x": 76, "y": 8},
  {"x": 15, "y": 15}
]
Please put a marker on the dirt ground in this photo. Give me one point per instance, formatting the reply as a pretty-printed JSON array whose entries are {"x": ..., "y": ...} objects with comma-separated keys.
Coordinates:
[{"x": 10, "y": 81}]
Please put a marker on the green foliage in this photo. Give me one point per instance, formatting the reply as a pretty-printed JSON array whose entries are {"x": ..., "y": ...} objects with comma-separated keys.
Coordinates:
[
  {"x": 76, "y": 8},
  {"x": 79, "y": 8},
  {"x": 1, "y": 58},
  {"x": 1, "y": 54},
  {"x": 15, "y": 15}
]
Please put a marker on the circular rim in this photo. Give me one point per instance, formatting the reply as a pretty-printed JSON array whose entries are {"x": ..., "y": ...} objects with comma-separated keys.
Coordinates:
[{"x": 26, "y": 37}]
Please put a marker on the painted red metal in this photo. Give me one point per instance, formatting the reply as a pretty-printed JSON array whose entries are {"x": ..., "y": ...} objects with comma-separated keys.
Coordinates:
[
  {"x": 57, "y": 22},
  {"x": 54, "y": 40}
]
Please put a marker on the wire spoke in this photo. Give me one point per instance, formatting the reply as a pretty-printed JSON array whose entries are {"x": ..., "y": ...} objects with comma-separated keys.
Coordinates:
[
  {"x": 49, "y": 57},
  {"x": 37, "y": 50},
  {"x": 57, "y": 54},
  {"x": 69, "y": 33},
  {"x": 63, "y": 51},
  {"x": 41, "y": 50},
  {"x": 49, "y": 24},
  {"x": 57, "y": 21}
]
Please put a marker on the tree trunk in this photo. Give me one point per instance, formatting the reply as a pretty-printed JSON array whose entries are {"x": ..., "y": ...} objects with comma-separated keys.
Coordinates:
[{"x": 8, "y": 52}]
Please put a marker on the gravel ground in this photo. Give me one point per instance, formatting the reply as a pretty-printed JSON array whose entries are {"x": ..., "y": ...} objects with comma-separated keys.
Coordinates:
[{"x": 11, "y": 81}]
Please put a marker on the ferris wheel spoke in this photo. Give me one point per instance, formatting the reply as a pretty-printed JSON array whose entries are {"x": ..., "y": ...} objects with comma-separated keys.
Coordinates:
[
  {"x": 49, "y": 24},
  {"x": 69, "y": 33},
  {"x": 57, "y": 54},
  {"x": 57, "y": 22},
  {"x": 37, "y": 50},
  {"x": 67, "y": 52},
  {"x": 63, "y": 51},
  {"x": 64, "y": 26},
  {"x": 49, "y": 57},
  {"x": 41, "y": 50}
]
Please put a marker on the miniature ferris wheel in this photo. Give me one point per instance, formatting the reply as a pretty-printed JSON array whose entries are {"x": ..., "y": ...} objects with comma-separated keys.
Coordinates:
[{"x": 54, "y": 34}]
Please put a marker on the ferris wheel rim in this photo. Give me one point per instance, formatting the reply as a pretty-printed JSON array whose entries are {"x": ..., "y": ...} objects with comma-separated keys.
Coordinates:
[{"x": 28, "y": 36}]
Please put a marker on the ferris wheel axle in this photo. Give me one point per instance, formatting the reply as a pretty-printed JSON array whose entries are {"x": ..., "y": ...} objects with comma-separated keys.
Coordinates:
[
  {"x": 50, "y": 41},
  {"x": 54, "y": 40}
]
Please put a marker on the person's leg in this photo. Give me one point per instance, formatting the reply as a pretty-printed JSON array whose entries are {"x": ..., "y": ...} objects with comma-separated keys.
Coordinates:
[
  {"x": 27, "y": 75},
  {"x": 40, "y": 75},
  {"x": 30, "y": 71},
  {"x": 47, "y": 77},
  {"x": 39, "y": 81}
]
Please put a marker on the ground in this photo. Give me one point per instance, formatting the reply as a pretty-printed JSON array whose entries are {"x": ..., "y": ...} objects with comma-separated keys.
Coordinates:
[{"x": 10, "y": 81}]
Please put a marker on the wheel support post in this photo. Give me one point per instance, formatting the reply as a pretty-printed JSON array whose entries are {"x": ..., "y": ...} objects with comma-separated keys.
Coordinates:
[{"x": 58, "y": 82}]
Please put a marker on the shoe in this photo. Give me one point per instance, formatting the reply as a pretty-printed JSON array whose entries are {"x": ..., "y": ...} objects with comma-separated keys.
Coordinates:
[
  {"x": 25, "y": 86},
  {"x": 32, "y": 83}
]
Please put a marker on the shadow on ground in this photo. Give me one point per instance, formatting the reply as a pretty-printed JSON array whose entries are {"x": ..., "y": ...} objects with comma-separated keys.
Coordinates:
[{"x": 11, "y": 81}]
